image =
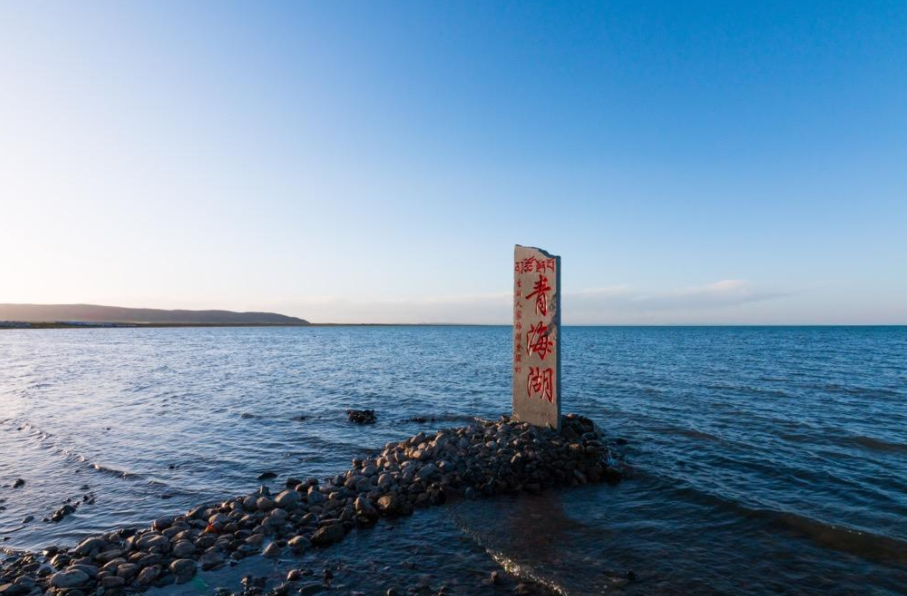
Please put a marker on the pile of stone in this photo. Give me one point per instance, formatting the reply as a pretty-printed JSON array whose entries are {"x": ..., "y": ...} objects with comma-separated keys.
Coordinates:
[{"x": 482, "y": 459}]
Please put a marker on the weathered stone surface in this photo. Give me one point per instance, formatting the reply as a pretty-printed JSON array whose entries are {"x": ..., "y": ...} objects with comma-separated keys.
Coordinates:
[
  {"x": 272, "y": 551},
  {"x": 13, "y": 590},
  {"x": 69, "y": 578},
  {"x": 299, "y": 543},
  {"x": 328, "y": 535},
  {"x": 390, "y": 504},
  {"x": 288, "y": 499},
  {"x": 210, "y": 560},
  {"x": 112, "y": 582},
  {"x": 183, "y": 567},
  {"x": 89, "y": 545},
  {"x": 183, "y": 549},
  {"x": 153, "y": 542},
  {"x": 536, "y": 334}
]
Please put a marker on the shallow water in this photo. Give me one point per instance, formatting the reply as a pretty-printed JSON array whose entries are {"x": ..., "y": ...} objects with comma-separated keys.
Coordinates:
[{"x": 766, "y": 459}]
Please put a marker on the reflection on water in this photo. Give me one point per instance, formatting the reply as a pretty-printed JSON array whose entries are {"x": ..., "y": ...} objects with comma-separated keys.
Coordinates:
[{"x": 767, "y": 459}]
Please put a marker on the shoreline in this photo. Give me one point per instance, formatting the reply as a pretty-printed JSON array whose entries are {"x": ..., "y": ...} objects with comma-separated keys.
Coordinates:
[
  {"x": 34, "y": 326},
  {"x": 478, "y": 460}
]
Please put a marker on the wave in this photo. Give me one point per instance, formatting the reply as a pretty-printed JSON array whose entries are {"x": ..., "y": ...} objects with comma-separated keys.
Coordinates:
[
  {"x": 878, "y": 444},
  {"x": 49, "y": 442},
  {"x": 861, "y": 543}
]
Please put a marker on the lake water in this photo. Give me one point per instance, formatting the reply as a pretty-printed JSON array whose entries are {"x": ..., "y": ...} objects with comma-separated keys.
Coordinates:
[{"x": 767, "y": 460}]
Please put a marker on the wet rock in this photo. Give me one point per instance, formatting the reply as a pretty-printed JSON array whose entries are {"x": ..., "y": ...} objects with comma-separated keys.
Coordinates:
[
  {"x": 362, "y": 416},
  {"x": 89, "y": 546},
  {"x": 162, "y": 524},
  {"x": 365, "y": 508},
  {"x": 62, "y": 512},
  {"x": 267, "y": 476},
  {"x": 183, "y": 569},
  {"x": 112, "y": 582},
  {"x": 19, "y": 483},
  {"x": 211, "y": 560},
  {"x": 153, "y": 542},
  {"x": 288, "y": 499},
  {"x": 327, "y": 535},
  {"x": 272, "y": 551},
  {"x": 69, "y": 578},
  {"x": 264, "y": 504},
  {"x": 127, "y": 570},
  {"x": 389, "y": 504},
  {"x": 183, "y": 549},
  {"x": 299, "y": 543}
]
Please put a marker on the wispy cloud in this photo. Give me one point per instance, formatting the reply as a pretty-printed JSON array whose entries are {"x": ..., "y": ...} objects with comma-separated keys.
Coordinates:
[
  {"x": 626, "y": 305},
  {"x": 619, "y": 304}
]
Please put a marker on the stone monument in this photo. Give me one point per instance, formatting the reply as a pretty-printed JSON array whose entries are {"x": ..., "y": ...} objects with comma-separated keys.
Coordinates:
[{"x": 536, "y": 337}]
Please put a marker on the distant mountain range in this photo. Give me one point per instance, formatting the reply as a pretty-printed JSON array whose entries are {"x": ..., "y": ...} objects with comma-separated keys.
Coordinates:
[{"x": 91, "y": 314}]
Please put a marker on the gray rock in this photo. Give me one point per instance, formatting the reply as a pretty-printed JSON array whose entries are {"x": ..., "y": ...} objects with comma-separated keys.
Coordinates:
[
  {"x": 365, "y": 508},
  {"x": 183, "y": 568},
  {"x": 183, "y": 549},
  {"x": 162, "y": 524},
  {"x": 210, "y": 560},
  {"x": 148, "y": 575},
  {"x": 127, "y": 570},
  {"x": 90, "y": 570},
  {"x": 326, "y": 535},
  {"x": 69, "y": 578},
  {"x": 89, "y": 545},
  {"x": 112, "y": 582},
  {"x": 427, "y": 471},
  {"x": 390, "y": 504},
  {"x": 299, "y": 543},
  {"x": 288, "y": 499},
  {"x": 153, "y": 542},
  {"x": 272, "y": 551}
]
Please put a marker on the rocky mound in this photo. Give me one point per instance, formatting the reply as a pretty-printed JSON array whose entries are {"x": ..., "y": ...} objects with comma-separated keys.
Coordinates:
[{"x": 482, "y": 459}]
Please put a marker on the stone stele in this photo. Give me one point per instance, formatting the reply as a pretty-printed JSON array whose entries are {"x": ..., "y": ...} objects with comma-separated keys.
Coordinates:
[{"x": 536, "y": 337}]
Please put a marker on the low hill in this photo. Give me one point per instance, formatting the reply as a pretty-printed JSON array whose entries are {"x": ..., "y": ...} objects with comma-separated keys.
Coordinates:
[{"x": 93, "y": 314}]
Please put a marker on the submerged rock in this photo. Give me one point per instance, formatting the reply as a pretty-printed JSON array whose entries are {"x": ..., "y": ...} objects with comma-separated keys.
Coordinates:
[{"x": 362, "y": 416}]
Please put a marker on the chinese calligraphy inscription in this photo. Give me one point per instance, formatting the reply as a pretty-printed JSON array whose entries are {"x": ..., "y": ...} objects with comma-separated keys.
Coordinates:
[{"x": 536, "y": 336}]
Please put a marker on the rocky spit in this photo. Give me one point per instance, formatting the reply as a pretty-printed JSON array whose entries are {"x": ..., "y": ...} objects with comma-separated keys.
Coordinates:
[{"x": 479, "y": 460}]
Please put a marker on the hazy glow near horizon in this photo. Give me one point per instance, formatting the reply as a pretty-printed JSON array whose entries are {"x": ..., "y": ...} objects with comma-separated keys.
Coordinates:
[{"x": 376, "y": 162}]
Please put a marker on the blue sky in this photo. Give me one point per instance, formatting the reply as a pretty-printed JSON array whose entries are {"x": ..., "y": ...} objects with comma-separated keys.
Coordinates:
[{"x": 707, "y": 162}]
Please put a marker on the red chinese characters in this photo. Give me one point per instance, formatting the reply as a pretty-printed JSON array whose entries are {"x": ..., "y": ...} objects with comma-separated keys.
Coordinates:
[
  {"x": 538, "y": 341},
  {"x": 540, "y": 291},
  {"x": 540, "y": 382}
]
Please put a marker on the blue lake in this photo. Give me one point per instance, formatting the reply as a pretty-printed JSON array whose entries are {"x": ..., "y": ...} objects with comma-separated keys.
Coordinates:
[{"x": 766, "y": 460}]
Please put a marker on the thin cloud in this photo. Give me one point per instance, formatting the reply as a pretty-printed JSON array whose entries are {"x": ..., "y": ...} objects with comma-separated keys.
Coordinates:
[{"x": 619, "y": 304}]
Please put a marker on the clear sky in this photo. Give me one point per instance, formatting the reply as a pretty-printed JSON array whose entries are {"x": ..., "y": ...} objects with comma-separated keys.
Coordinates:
[{"x": 698, "y": 162}]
